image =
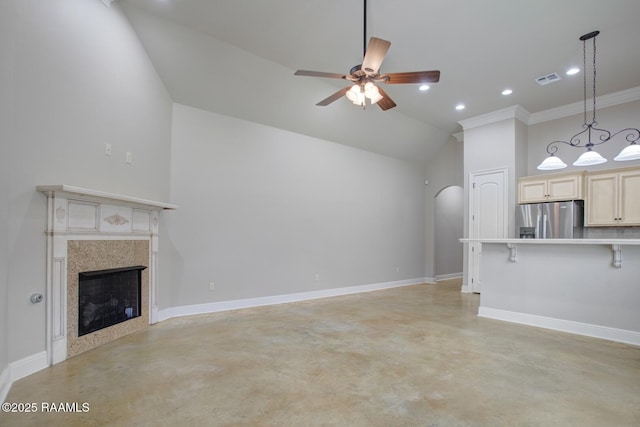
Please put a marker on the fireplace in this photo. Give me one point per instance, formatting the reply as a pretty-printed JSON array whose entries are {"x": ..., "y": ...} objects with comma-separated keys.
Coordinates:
[
  {"x": 96, "y": 314},
  {"x": 92, "y": 233},
  {"x": 108, "y": 297}
]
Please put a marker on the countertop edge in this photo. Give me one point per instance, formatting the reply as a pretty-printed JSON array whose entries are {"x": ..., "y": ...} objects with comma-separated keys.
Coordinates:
[{"x": 556, "y": 241}]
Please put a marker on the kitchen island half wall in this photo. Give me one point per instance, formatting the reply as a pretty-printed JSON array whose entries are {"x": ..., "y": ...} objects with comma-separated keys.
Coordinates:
[{"x": 583, "y": 286}]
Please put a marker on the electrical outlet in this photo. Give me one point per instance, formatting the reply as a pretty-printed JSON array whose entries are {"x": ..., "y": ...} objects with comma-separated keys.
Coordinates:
[
  {"x": 129, "y": 157},
  {"x": 212, "y": 286},
  {"x": 317, "y": 277},
  {"x": 107, "y": 149}
]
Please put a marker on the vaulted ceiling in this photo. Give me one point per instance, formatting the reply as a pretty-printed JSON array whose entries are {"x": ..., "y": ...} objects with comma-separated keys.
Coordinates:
[{"x": 237, "y": 57}]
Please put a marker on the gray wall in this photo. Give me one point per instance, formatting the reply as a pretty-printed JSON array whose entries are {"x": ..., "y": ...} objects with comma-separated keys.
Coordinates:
[
  {"x": 574, "y": 282},
  {"x": 263, "y": 211},
  {"x": 443, "y": 170},
  {"x": 448, "y": 230},
  {"x": 80, "y": 79},
  {"x": 6, "y": 55}
]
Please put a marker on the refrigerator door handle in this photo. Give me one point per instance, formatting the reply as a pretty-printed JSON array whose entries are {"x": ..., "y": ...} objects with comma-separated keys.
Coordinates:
[
  {"x": 538, "y": 227},
  {"x": 544, "y": 226}
]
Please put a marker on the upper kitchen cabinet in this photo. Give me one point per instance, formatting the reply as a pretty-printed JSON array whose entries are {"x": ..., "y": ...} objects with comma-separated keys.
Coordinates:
[
  {"x": 551, "y": 188},
  {"x": 613, "y": 197}
]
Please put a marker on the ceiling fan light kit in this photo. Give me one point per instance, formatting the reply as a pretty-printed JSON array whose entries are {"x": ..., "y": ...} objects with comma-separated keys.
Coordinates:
[
  {"x": 590, "y": 129},
  {"x": 365, "y": 76},
  {"x": 359, "y": 93}
]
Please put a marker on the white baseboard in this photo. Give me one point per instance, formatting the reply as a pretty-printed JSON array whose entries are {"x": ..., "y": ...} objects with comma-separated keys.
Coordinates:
[
  {"x": 449, "y": 276},
  {"x": 465, "y": 288},
  {"x": 27, "y": 366},
  {"x": 20, "y": 369},
  {"x": 190, "y": 310},
  {"x": 586, "y": 329},
  {"x": 5, "y": 384}
]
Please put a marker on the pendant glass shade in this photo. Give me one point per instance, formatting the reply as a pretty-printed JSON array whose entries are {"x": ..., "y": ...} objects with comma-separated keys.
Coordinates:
[
  {"x": 589, "y": 158},
  {"x": 375, "y": 98},
  {"x": 355, "y": 95},
  {"x": 551, "y": 163},
  {"x": 370, "y": 90},
  {"x": 630, "y": 152}
]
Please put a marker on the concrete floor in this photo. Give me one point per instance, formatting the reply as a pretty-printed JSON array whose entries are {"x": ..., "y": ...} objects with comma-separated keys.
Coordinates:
[{"x": 411, "y": 356}]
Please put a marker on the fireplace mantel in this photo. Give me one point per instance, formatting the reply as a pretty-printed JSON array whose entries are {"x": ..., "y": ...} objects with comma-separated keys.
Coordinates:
[
  {"x": 75, "y": 214},
  {"x": 69, "y": 191}
]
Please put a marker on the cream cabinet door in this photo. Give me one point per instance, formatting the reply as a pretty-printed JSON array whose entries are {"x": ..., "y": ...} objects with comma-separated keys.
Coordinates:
[
  {"x": 551, "y": 188},
  {"x": 602, "y": 199},
  {"x": 629, "y": 200},
  {"x": 565, "y": 188},
  {"x": 532, "y": 191}
]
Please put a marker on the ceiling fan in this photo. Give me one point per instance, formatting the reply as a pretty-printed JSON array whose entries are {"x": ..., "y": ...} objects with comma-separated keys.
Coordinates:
[{"x": 365, "y": 76}]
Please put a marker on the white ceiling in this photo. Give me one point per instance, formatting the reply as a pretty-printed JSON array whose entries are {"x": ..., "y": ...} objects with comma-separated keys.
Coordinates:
[{"x": 237, "y": 57}]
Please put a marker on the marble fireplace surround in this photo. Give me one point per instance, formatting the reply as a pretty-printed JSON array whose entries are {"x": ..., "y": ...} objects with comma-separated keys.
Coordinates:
[
  {"x": 94, "y": 255},
  {"x": 90, "y": 230}
]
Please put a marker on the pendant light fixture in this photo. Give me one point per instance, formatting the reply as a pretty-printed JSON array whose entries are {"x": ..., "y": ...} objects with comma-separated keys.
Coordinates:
[{"x": 590, "y": 129}]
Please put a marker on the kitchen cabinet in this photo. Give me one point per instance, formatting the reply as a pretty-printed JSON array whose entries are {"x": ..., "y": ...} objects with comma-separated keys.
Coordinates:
[
  {"x": 551, "y": 188},
  {"x": 613, "y": 197}
]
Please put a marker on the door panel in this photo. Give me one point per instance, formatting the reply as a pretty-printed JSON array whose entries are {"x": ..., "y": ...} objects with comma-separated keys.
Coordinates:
[
  {"x": 601, "y": 199},
  {"x": 630, "y": 198},
  {"x": 488, "y": 216},
  {"x": 565, "y": 188},
  {"x": 532, "y": 191}
]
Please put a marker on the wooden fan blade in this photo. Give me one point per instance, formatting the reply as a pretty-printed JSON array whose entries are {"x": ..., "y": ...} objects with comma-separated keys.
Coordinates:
[
  {"x": 386, "y": 102},
  {"x": 319, "y": 74},
  {"x": 413, "y": 77},
  {"x": 376, "y": 51},
  {"x": 339, "y": 94}
]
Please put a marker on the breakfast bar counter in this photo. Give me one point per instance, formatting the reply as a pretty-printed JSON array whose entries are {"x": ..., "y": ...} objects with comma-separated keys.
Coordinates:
[{"x": 583, "y": 286}]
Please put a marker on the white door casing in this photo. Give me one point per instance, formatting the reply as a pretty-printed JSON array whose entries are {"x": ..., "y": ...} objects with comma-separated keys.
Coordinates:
[{"x": 488, "y": 216}]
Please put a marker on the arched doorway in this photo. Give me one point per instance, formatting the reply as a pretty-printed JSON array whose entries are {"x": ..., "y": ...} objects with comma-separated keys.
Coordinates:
[{"x": 448, "y": 228}]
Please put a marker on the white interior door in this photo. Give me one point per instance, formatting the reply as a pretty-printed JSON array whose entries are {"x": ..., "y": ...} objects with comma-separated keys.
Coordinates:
[{"x": 488, "y": 216}]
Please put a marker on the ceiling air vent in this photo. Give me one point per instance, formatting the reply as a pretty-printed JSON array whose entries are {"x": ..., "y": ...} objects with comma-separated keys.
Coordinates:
[{"x": 549, "y": 78}]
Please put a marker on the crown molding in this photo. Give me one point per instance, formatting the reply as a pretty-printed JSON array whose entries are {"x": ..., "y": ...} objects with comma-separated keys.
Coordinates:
[
  {"x": 513, "y": 112},
  {"x": 609, "y": 100},
  {"x": 459, "y": 136},
  {"x": 520, "y": 113}
]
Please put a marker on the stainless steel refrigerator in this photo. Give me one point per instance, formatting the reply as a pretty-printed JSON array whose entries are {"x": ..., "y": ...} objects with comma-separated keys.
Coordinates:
[{"x": 553, "y": 220}]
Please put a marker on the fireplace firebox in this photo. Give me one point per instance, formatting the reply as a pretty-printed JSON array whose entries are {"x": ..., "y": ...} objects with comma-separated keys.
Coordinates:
[{"x": 108, "y": 297}]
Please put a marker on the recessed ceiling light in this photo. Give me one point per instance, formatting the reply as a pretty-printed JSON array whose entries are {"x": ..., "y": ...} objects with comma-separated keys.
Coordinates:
[
  {"x": 460, "y": 107},
  {"x": 572, "y": 71},
  {"x": 507, "y": 92},
  {"x": 424, "y": 87}
]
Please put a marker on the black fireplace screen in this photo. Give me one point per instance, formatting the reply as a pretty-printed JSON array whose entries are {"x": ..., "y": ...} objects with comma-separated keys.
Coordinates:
[{"x": 108, "y": 297}]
